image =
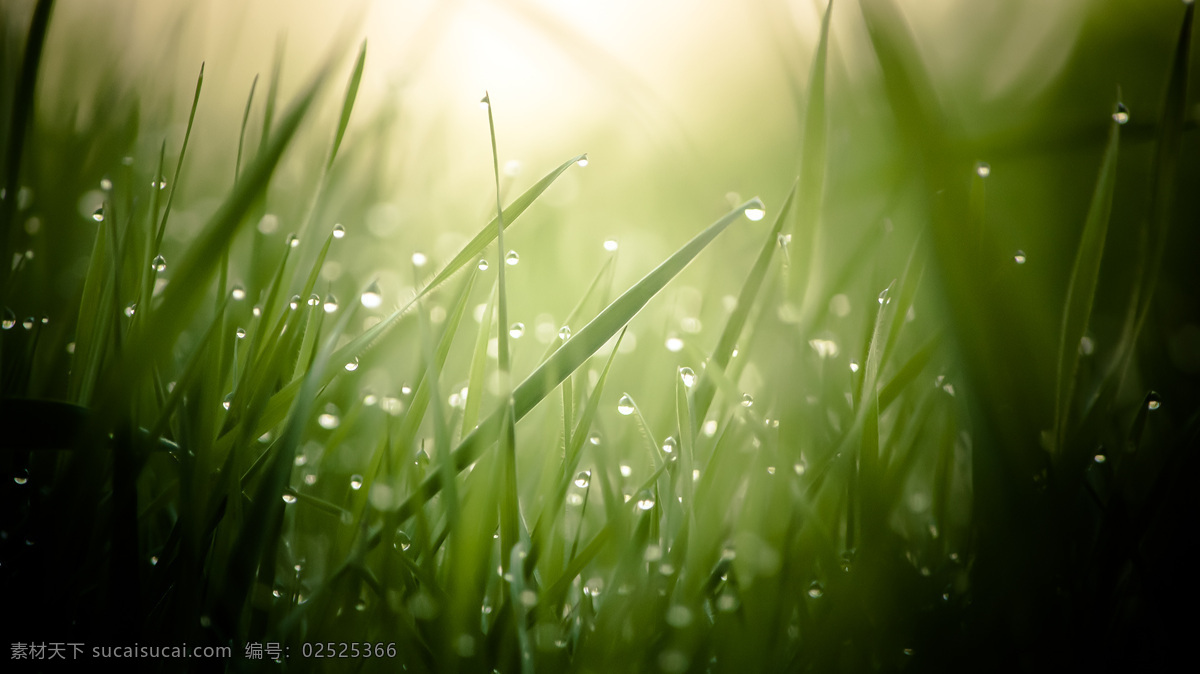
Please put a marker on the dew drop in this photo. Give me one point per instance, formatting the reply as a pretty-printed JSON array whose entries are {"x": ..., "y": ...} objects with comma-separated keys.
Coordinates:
[
  {"x": 747, "y": 400},
  {"x": 583, "y": 479},
  {"x": 131, "y": 310},
  {"x": 645, "y": 500},
  {"x": 328, "y": 421},
  {"x": 516, "y": 330},
  {"x": 1153, "y": 402},
  {"x": 351, "y": 367},
  {"x": 625, "y": 405},
  {"x": 669, "y": 445},
  {"x": 289, "y": 498},
  {"x": 799, "y": 468},
  {"x": 105, "y": 184},
  {"x": 9, "y": 321},
  {"x": 756, "y": 210},
  {"x": 227, "y": 401},
  {"x": 594, "y": 438},
  {"x": 159, "y": 264},
  {"x": 240, "y": 333},
  {"x": 816, "y": 589},
  {"x": 564, "y": 333},
  {"x": 356, "y": 482},
  {"x": 98, "y": 214},
  {"x": 854, "y": 366},
  {"x": 1121, "y": 114},
  {"x": 28, "y": 323},
  {"x": 483, "y": 264},
  {"x": 1019, "y": 257},
  {"x": 687, "y": 376},
  {"x": 21, "y": 477},
  {"x": 339, "y": 231},
  {"x": 402, "y": 541},
  {"x": 293, "y": 241},
  {"x": 583, "y": 161},
  {"x": 610, "y": 245},
  {"x": 372, "y": 297},
  {"x": 674, "y": 344},
  {"x": 331, "y": 304},
  {"x": 238, "y": 293},
  {"x": 983, "y": 169},
  {"x": 1100, "y": 458},
  {"x": 314, "y": 300},
  {"x": 294, "y": 302},
  {"x": 626, "y": 471},
  {"x": 512, "y": 258},
  {"x": 419, "y": 259}
]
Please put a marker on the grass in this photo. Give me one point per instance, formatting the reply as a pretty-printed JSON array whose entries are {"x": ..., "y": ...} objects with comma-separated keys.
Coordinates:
[{"x": 203, "y": 444}]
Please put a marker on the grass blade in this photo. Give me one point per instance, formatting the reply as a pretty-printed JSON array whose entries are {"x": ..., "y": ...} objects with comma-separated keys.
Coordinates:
[
  {"x": 1081, "y": 290},
  {"x": 348, "y": 103}
]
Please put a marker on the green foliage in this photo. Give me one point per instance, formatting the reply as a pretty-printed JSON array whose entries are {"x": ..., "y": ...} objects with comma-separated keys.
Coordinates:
[{"x": 837, "y": 478}]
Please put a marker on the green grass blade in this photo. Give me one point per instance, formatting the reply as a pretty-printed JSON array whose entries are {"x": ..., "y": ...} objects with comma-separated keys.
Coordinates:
[
  {"x": 348, "y": 102},
  {"x": 478, "y": 366},
  {"x": 811, "y": 187},
  {"x": 22, "y": 114},
  {"x": 1081, "y": 290},
  {"x": 237, "y": 166},
  {"x": 502, "y": 297},
  {"x": 705, "y": 389},
  {"x": 162, "y": 225}
]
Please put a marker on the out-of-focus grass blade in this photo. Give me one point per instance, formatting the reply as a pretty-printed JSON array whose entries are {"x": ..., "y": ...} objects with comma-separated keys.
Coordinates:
[
  {"x": 502, "y": 296},
  {"x": 1167, "y": 151},
  {"x": 705, "y": 390},
  {"x": 237, "y": 166},
  {"x": 478, "y": 366},
  {"x": 18, "y": 129},
  {"x": 598, "y": 288},
  {"x": 812, "y": 180},
  {"x": 348, "y": 102},
  {"x": 93, "y": 322},
  {"x": 576, "y": 350},
  {"x": 1081, "y": 289},
  {"x": 913, "y": 99}
]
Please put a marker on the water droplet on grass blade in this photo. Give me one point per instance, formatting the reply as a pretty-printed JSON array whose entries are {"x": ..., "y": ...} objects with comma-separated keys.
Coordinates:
[
  {"x": 1121, "y": 114},
  {"x": 131, "y": 310},
  {"x": 516, "y": 330},
  {"x": 314, "y": 300},
  {"x": 747, "y": 400},
  {"x": 669, "y": 445},
  {"x": 645, "y": 500},
  {"x": 10, "y": 319},
  {"x": 331, "y": 304},
  {"x": 339, "y": 231},
  {"x": 159, "y": 264},
  {"x": 1153, "y": 402},
  {"x": 28, "y": 323},
  {"x": 372, "y": 297},
  {"x": 512, "y": 258},
  {"x": 583, "y": 479},
  {"x": 289, "y": 498},
  {"x": 240, "y": 333},
  {"x": 98, "y": 214},
  {"x": 483, "y": 264},
  {"x": 816, "y": 590},
  {"x": 351, "y": 367},
  {"x": 21, "y": 477},
  {"x": 756, "y": 210},
  {"x": 401, "y": 541},
  {"x": 1019, "y": 257},
  {"x": 583, "y": 161},
  {"x": 625, "y": 405},
  {"x": 294, "y": 303},
  {"x": 227, "y": 401},
  {"x": 626, "y": 471},
  {"x": 610, "y": 245},
  {"x": 594, "y": 438},
  {"x": 293, "y": 241},
  {"x": 328, "y": 421},
  {"x": 983, "y": 169},
  {"x": 238, "y": 293},
  {"x": 356, "y": 482},
  {"x": 687, "y": 376},
  {"x": 419, "y": 259},
  {"x": 564, "y": 333}
]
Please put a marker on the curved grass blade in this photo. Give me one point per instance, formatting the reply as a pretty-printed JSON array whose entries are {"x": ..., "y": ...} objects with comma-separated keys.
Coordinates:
[
  {"x": 348, "y": 102},
  {"x": 811, "y": 183},
  {"x": 1081, "y": 290},
  {"x": 576, "y": 351},
  {"x": 237, "y": 166},
  {"x": 162, "y": 225}
]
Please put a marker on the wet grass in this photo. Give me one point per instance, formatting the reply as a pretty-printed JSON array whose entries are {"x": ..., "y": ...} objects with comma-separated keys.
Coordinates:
[{"x": 859, "y": 468}]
